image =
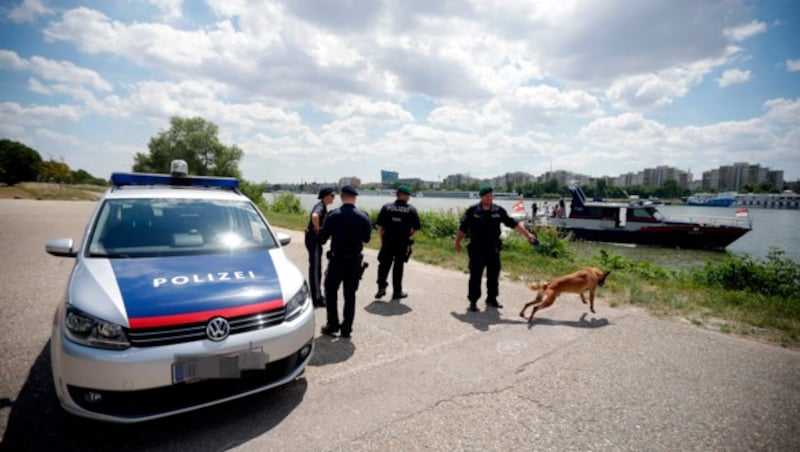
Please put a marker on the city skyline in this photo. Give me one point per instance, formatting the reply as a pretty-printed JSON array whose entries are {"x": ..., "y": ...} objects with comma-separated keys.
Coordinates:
[
  {"x": 309, "y": 89},
  {"x": 661, "y": 173}
]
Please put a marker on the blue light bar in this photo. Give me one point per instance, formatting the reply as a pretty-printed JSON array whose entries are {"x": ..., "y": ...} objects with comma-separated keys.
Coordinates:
[{"x": 120, "y": 179}]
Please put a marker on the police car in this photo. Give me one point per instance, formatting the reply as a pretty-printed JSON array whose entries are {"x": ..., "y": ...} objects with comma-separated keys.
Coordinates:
[{"x": 181, "y": 297}]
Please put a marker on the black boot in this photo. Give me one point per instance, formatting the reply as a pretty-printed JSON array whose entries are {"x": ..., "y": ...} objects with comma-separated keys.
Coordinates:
[{"x": 492, "y": 303}]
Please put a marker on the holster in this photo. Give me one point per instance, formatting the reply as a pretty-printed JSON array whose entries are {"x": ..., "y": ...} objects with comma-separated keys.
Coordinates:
[{"x": 409, "y": 249}]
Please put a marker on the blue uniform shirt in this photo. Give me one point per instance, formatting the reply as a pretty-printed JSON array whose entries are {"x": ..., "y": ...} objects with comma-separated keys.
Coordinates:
[
  {"x": 350, "y": 229},
  {"x": 483, "y": 226},
  {"x": 397, "y": 219}
]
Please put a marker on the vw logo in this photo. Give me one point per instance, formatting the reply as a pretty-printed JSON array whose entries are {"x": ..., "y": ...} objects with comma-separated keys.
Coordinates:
[{"x": 218, "y": 329}]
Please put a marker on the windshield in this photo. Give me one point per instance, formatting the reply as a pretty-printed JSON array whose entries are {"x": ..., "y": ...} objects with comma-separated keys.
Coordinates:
[{"x": 149, "y": 227}]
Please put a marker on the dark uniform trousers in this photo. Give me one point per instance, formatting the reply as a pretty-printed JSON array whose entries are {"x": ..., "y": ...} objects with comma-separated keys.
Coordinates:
[
  {"x": 314, "y": 248},
  {"x": 481, "y": 258},
  {"x": 345, "y": 271},
  {"x": 393, "y": 253}
]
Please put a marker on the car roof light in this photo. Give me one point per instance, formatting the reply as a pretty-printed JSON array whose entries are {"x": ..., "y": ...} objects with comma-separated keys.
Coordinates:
[
  {"x": 122, "y": 179},
  {"x": 179, "y": 168}
]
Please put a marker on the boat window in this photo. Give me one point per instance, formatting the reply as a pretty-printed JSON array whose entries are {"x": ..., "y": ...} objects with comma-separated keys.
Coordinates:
[
  {"x": 644, "y": 214},
  {"x": 656, "y": 214},
  {"x": 639, "y": 214}
]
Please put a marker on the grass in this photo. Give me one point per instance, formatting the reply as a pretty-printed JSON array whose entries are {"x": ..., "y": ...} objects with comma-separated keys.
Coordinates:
[
  {"x": 693, "y": 295},
  {"x": 54, "y": 191},
  {"x": 738, "y": 295}
]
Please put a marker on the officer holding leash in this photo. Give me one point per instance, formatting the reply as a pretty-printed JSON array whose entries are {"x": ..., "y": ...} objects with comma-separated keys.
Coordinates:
[
  {"x": 398, "y": 222},
  {"x": 314, "y": 246},
  {"x": 349, "y": 229},
  {"x": 481, "y": 223}
]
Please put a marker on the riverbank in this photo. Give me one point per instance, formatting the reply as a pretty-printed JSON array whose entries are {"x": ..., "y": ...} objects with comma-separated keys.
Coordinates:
[
  {"x": 771, "y": 228},
  {"x": 665, "y": 292},
  {"x": 678, "y": 294}
]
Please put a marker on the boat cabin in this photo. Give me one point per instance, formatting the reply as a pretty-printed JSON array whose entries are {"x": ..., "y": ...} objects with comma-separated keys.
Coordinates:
[{"x": 620, "y": 213}]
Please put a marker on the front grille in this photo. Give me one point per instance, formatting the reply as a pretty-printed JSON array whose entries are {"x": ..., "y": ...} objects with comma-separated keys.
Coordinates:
[
  {"x": 132, "y": 405},
  {"x": 152, "y": 337}
]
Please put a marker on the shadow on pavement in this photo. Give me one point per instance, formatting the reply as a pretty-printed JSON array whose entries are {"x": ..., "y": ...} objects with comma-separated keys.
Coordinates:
[
  {"x": 482, "y": 320},
  {"x": 37, "y": 422},
  {"x": 331, "y": 350},
  {"x": 580, "y": 323},
  {"x": 387, "y": 308}
]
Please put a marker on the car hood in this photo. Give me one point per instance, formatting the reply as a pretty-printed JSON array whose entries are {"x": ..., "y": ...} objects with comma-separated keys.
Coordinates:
[{"x": 163, "y": 291}]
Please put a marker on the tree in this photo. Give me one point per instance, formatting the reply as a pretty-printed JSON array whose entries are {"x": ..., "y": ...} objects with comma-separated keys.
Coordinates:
[
  {"x": 194, "y": 140},
  {"x": 18, "y": 163},
  {"x": 602, "y": 187},
  {"x": 54, "y": 171},
  {"x": 551, "y": 186},
  {"x": 767, "y": 187},
  {"x": 83, "y": 177},
  {"x": 669, "y": 189}
]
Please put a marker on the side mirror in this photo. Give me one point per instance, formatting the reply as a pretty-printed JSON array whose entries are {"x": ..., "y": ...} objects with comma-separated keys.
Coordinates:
[
  {"x": 60, "y": 248},
  {"x": 284, "y": 238}
]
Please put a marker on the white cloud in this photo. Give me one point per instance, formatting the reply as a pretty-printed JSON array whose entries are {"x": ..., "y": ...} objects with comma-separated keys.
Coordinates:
[
  {"x": 28, "y": 11},
  {"x": 466, "y": 119},
  {"x": 648, "y": 91},
  {"x": 170, "y": 9},
  {"x": 36, "y": 115},
  {"x": 543, "y": 97},
  {"x": 783, "y": 111},
  {"x": 51, "y": 135},
  {"x": 632, "y": 141},
  {"x": 485, "y": 86},
  {"x": 382, "y": 112},
  {"x": 11, "y": 60},
  {"x": 149, "y": 45},
  {"x": 733, "y": 77},
  {"x": 746, "y": 31},
  {"x": 58, "y": 71}
]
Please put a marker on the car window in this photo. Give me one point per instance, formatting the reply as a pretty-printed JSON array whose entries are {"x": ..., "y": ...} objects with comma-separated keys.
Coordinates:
[{"x": 147, "y": 227}]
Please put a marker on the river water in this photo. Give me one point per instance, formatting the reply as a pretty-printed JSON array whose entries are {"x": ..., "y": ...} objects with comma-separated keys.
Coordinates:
[{"x": 771, "y": 228}]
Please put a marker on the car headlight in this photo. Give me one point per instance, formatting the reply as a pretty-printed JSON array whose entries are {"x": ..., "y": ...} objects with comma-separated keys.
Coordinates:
[
  {"x": 298, "y": 303},
  {"x": 84, "y": 329}
]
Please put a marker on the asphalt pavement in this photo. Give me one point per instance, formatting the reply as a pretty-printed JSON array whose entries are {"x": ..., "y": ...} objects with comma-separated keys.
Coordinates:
[{"x": 423, "y": 373}]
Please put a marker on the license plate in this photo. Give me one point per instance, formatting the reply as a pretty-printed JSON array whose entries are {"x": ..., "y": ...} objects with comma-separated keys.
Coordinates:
[{"x": 188, "y": 369}]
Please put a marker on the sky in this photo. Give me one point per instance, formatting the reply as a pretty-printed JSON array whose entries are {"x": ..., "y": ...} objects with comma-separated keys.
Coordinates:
[{"x": 317, "y": 90}]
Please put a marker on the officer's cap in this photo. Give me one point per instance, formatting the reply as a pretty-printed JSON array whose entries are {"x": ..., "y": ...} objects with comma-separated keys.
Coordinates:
[
  {"x": 324, "y": 191},
  {"x": 350, "y": 189},
  {"x": 404, "y": 190},
  {"x": 485, "y": 189}
]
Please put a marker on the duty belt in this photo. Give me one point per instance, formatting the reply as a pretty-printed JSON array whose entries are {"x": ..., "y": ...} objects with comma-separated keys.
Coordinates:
[{"x": 343, "y": 256}]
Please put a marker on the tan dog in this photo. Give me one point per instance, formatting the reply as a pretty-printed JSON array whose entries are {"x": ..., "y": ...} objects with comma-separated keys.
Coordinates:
[{"x": 588, "y": 278}]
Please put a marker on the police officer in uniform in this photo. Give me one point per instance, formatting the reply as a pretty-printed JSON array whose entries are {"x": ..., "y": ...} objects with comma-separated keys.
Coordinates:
[
  {"x": 314, "y": 246},
  {"x": 481, "y": 223},
  {"x": 398, "y": 222},
  {"x": 349, "y": 229}
]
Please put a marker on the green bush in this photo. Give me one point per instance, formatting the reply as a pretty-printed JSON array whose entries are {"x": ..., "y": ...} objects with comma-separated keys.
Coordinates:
[
  {"x": 287, "y": 203},
  {"x": 776, "y": 275},
  {"x": 441, "y": 224},
  {"x": 255, "y": 192},
  {"x": 643, "y": 269},
  {"x": 552, "y": 243}
]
